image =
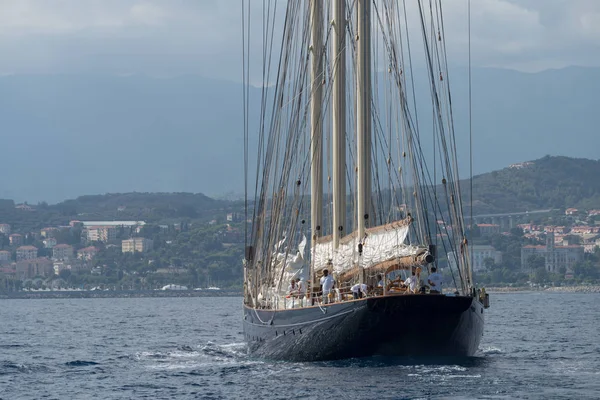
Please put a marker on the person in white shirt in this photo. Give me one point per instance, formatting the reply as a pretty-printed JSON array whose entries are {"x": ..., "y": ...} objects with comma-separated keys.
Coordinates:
[
  {"x": 379, "y": 281},
  {"x": 327, "y": 283},
  {"x": 300, "y": 286},
  {"x": 293, "y": 288},
  {"x": 359, "y": 290},
  {"x": 435, "y": 281},
  {"x": 412, "y": 282}
]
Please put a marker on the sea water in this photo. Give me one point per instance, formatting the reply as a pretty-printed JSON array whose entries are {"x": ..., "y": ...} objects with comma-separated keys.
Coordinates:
[{"x": 536, "y": 345}]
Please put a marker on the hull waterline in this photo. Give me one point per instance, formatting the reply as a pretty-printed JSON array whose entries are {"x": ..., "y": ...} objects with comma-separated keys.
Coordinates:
[{"x": 396, "y": 325}]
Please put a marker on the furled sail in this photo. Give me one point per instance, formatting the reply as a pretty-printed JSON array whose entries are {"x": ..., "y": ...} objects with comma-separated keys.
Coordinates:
[
  {"x": 380, "y": 244},
  {"x": 287, "y": 266}
]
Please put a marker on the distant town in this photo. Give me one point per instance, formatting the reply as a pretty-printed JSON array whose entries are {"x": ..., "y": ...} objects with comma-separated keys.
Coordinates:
[
  {"x": 28, "y": 261},
  {"x": 551, "y": 247},
  {"x": 120, "y": 254}
]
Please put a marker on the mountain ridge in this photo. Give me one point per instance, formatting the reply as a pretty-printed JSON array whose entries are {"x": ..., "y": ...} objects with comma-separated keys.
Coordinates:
[
  {"x": 556, "y": 182},
  {"x": 68, "y": 134}
]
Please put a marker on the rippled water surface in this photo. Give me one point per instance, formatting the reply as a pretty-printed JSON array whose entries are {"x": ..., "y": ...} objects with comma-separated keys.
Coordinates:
[{"x": 536, "y": 345}]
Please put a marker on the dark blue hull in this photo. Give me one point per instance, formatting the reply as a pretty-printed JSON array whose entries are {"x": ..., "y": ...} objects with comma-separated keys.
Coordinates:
[{"x": 394, "y": 325}]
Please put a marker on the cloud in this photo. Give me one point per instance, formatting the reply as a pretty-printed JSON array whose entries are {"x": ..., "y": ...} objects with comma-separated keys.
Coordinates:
[
  {"x": 34, "y": 17},
  {"x": 148, "y": 14},
  {"x": 173, "y": 37}
]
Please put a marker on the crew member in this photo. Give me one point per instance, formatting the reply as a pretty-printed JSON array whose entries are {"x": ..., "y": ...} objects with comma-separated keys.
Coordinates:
[
  {"x": 359, "y": 290},
  {"x": 412, "y": 282},
  {"x": 300, "y": 286},
  {"x": 327, "y": 283},
  {"x": 292, "y": 288},
  {"x": 435, "y": 281}
]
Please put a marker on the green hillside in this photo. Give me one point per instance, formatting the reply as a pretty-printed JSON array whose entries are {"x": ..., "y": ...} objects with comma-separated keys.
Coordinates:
[{"x": 550, "y": 182}]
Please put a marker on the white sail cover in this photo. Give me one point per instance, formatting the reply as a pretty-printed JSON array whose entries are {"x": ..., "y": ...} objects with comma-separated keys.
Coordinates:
[
  {"x": 292, "y": 265},
  {"x": 381, "y": 244}
]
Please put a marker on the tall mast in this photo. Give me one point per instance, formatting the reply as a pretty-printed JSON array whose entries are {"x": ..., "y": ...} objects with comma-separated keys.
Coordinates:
[
  {"x": 338, "y": 57},
  {"x": 316, "y": 122},
  {"x": 363, "y": 115}
]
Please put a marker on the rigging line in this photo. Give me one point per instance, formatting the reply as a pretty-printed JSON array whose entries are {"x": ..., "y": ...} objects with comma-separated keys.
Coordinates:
[
  {"x": 389, "y": 127},
  {"x": 446, "y": 89},
  {"x": 438, "y": 122},
  {"x": 266, "y": 63},
  {"x": 414, "y": 137},
  {"x": 276, "y": 226},
  {"x": 378, "y": 124},
  {"x": 400, "y": 123},
  {"x": 452, "y": 131},
  {"x": 433, "y": 133},
  {"x": 406, "y": 117},
  {"x": 259, "y": 199},
  {"x": 296, "y": 127},
  {"x": 455, "y": 181},
  {"x": 282, "y": 71},
  {"x": 433, "y": 88},
  {"x": 250, "y": 290},
  {"x": 470, "y": 135},
  {"x": 274, "y": 139},
  {"x": 439, "y": 52},
  {"x": 411, "y": 67},
  {"x": 245, "y": 113},
  {"x": 419, "y": 162},
  {"x": 377, "y": 203}
]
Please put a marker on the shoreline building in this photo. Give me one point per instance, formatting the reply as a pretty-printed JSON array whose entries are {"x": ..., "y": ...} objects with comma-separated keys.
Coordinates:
[
  {"x": 27, "y": 269},
  {"x": 555, "y": 257}
]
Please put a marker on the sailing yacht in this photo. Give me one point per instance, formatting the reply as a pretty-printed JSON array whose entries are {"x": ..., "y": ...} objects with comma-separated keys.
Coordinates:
[{"x": 349, "y": 191}]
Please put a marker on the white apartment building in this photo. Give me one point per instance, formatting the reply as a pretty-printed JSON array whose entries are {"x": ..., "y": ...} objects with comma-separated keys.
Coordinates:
[
  {"x": 101, "y": 233},
  {"x": 140, "y": 245}
]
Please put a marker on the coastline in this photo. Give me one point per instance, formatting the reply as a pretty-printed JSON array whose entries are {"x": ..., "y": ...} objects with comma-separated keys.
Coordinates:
[
  {"x": 80, "y": 294},
  {"x": 552, "y": 289},
  {"x": 107, "y": 294}
]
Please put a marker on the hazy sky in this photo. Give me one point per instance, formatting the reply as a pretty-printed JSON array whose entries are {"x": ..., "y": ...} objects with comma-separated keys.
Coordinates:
[{"x": 171, "y": 37}]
